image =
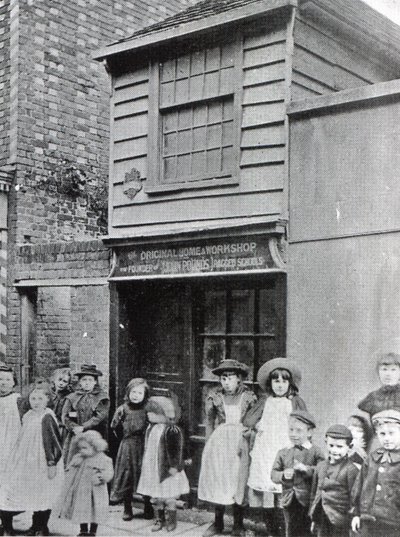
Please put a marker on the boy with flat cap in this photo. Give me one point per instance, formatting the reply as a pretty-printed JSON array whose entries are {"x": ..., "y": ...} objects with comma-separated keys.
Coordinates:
[
  {"x": 332, "y": 486},
  {"x": 293, "y": 468},
  {"x": 376, "y": 495}
]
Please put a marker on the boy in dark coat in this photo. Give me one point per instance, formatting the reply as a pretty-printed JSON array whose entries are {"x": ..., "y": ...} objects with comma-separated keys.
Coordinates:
[
  {"x": 294, "y": 468},
  {"x": 332, "y": 486},
  {"x": 376, "y": 496}
]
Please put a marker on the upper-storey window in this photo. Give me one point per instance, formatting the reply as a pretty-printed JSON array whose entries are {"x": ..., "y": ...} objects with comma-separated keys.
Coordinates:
[{"x": 194, "y": 119}]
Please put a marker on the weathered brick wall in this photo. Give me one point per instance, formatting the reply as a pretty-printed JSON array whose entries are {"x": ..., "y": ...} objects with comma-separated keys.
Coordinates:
[
  {"x": 4, "y": 80},
  {"x": 72, "y": 321},
  {"x": 3, "y": 294}
]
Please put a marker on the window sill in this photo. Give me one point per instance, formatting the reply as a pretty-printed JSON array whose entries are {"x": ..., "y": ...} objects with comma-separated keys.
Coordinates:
[{"x": 190, "y": 185}]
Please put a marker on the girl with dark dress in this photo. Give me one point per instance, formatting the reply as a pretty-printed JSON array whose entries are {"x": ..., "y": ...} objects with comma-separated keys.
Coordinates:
[
  {"x": 60, "y": 388},
  {"x": 129, "y": 425}
]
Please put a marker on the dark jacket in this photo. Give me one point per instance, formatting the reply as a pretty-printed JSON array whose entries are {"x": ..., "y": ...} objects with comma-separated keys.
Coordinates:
[
  {"x": 385, "y": 398},
  {"x": 331, "y": 490},
  {"x": 377, "y": 488},
  {"x": 51, "y": 440},
  {"x": 300, "y": 485}
]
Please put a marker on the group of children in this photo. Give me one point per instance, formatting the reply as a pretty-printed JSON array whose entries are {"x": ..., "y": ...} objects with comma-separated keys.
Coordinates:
[
  {"x": 258, "y": 452},
  {"x": 267, "y": 444}
]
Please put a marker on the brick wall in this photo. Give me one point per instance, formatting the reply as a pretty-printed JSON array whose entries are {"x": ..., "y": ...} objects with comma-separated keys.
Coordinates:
[
  {"x": 3, "y": 295},
  {"x": 4, "y": 80},
  {"x": 72, "y": 318}
]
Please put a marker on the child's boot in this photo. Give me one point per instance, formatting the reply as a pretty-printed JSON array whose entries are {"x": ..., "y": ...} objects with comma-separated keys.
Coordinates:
[
  {"x": 128, "y": 513},
  {"x": 93, "y": 528},
  {"x": 148, "y": 511},
  {"x": 6, "y": 520},
  {"x": 43, "y": 520},
  {"x": 171, "y": 520},
  {"x": 237, "y": 520},
  {"x": 83, "y": 530},
  {"x": 35, "y": 524},
  {"x": 159, "y": 521},
  {"x": 217, "y": 527}
]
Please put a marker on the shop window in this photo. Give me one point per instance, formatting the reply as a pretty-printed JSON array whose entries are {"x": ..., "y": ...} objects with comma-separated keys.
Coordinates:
[{"x": 194, "y": 119}]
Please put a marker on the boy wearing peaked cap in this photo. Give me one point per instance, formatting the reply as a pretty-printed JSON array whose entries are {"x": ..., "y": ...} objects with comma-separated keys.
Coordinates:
[
  {"x": 294, "y": 468},
  {"x": 332, "y": 486},
  {"x": 376, "y": 496}
]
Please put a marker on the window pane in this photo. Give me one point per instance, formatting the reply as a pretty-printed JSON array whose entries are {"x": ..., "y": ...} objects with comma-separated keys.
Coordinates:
[
  {"x": 182, "y": 90},
  {"x": 197, "y": 62},
  {"x": 243, "y": 350},
  {"x": 215, "y": 112},
  {"x": 227, "y": 133},
  {"x": 168, "y": 70},
  {"x": 196, "y": 87},
  {"x": 167, "y": 93},
  {"x": 198, "y": 163},
  {"x": 183, "y": 67},
  {"x": 267, "y": 350},
  {"x": 170, "y": 168},
  {"x": 227, "y": 159},
  {"x": 228, "y": 109},
  {"x": 184, "y": 142},
  {"x": 214, "y": 161},
  {"x": 242, "y": 310},
  {"x": 268, "y": 301},
  {"x": 183, "y": 167},
  {"x": 213, "y": 59},
  {"x": 226, "y": 81},
  {"x": 214, "y": 135},
  {"x": 215, "y": 312},
  {"x": 227, "y": 55},
  {"x": 199, "y": 138},
  {"x": 211, "y": 84},
  {"x": 170, "y": 144},
  {"x": 213, "y": 352},
  {"x": 185, "y": 118},
  {"x": 170, "y": 121},
  {"x": 199, "y": 115}
]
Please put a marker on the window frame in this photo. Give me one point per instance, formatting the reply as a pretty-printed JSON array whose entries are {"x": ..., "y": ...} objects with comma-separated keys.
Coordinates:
[{"x": 154, "y": 183}]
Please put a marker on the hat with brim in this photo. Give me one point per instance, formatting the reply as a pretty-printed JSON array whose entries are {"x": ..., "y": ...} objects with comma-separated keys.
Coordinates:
[
  {"x": 386, "y": 416},
  {"x": 304, "y": 416},
  {"x": 231, "y": 365},
  {"x": 340, "y": 432},
  {"x": 89, "y": 369},
  {"x": 278, "y": 363}
]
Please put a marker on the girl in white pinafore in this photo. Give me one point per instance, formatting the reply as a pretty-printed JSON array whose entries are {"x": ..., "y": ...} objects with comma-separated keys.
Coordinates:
[
  {"x": 219, "y": 481},
  {"x": 10, "y": 421},
  {"x": 268, "y": 420}
]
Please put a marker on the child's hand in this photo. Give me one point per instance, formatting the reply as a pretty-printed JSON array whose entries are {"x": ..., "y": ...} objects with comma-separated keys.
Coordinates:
[
  {"x": 288, "y": 473},
  {"x": 173, "y": 471},
  {"x": 313, "y": 529},
  {"x": 51, "y": 472},
  {"x": 299, "y": 466},
  {"x": 98, "y": 479},
  {"x": 78, "y": 429},
  {"x": 355, "y": 524}
]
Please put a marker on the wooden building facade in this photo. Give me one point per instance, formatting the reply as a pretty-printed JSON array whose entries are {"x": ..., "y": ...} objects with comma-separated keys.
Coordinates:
[{"x": 199, "y": 180}]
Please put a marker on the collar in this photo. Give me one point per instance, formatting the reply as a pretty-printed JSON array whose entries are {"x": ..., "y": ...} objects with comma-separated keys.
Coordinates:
[
  {"x": 383, "y": 455},
  {"x": 306, "y": 445},
  {"x": 336, "y": 463}
]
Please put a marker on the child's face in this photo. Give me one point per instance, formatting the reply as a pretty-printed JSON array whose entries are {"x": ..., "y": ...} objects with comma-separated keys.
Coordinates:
[
  {"x": 136, "y": 395},
  {"x": 61, "y": 382},
  {"x": 280, "y": 386},
  {"x": 389, "y": 375},
  {"x": 87, "y": 383},
  {"x": 358, "y": 435},
  {"x": 230, "y": 382},
  {"x": 86, "y": 450},
  {"x": 6, "y": 382},
  {"x": 38, "y": 400},
  {"x": 389, "y": 435},
  {"x": 338, "y": 448},
  {"x": 299, "y": 432}
]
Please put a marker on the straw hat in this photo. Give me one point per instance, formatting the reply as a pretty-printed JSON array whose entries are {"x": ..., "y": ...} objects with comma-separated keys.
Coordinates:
[
  {"x": 278, "y": 363},
  {"x": 231, "y": 365}
]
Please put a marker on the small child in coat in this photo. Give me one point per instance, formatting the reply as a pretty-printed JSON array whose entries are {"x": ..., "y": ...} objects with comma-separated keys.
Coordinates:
[
  {"x": 61, "y": 387},
  {"x": 84, "y": 498},
  {"x": 376, "y": 497},
  {"x": 332, "y": 486},
  {"x": 35, "y": 470},
  {"x": 85, "y": 409},
  {"x": 129, "y": 424},
  {"x": 163, "y": 477},
  {"x": 294, "y": 468}
]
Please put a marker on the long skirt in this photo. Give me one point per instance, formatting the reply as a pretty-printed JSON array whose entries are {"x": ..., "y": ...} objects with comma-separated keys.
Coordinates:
[
  {"x": 220, "y": 465},
  {"x": 128, "y": 466}
]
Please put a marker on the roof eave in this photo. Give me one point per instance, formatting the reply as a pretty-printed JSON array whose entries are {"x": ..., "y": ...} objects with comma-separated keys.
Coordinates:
[{"x": 194, "y": 27}]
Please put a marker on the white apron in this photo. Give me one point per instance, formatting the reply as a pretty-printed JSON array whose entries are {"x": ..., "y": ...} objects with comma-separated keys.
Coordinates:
[
  {"x": 272, "y": 435},
  {"x": 26, "y": 486},
  {"x": 149, "y": 482},
  {"x": 10, "y": 425},
  {"x": 220, "y": 461}
]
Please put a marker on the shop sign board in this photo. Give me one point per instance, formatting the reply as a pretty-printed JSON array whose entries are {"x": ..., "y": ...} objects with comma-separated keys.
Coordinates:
[{"x": 232, "y": 254}]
